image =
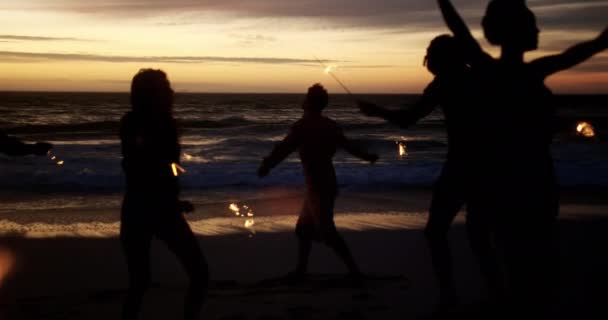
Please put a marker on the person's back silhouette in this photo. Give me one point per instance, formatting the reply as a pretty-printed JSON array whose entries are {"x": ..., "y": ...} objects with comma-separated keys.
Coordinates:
[
  {"x": 317, "y": 138},
  {"x": 516, "y": 177},
  {"x": 452, "y": 89},
  {"x": 151, "y": 206}
]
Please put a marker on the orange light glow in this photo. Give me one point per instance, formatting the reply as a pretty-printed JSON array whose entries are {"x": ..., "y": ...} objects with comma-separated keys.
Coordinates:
[
  {"x": 585, "y": 129},
  {"x": 402, "y": 149},
  {"x": 7, "y": 262},
  {"x": 175, "y": 168}
]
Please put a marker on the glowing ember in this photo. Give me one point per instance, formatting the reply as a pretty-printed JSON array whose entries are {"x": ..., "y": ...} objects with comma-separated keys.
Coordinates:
[
  {"x": 402, "y": 148},
  {"x": 54, "y": 158},
  {"x": 244, "y": 211},
  {"x": 188, "y": 157},
  {"x": 329, "y": 69},
  {"x": 585, "y": 129},
  {"x": 175, "y": 168},
  {"x": 7, "y": 262},
  {"x": 235, "y": 208}
]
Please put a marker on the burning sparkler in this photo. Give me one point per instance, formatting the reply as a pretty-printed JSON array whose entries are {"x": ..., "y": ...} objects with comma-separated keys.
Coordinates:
[
  {"x": 245, "y": 211},
  {"x": 177, "y": 169},
  {"x": 54, "y": 158},
  {"x": 329, "y": 71},
  {"x": 585, "y": 129},
  {"x": 402, "y": 148}
]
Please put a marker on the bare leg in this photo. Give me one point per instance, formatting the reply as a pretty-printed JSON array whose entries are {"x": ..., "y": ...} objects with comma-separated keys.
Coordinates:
[
  {"x": 181, "y": 241},
  {"x": 445, "y": 205},
  {"x": 337, "y": 243},
  {"x": 333, "y": 239},
  {"x": 304, "y": 247},
  {"x": 136, "y": 247},
  {"x": 480, "y": 234}
]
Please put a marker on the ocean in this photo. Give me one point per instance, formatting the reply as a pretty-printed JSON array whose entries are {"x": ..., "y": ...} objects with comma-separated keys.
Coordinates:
[{"x": 224, "y": 137}]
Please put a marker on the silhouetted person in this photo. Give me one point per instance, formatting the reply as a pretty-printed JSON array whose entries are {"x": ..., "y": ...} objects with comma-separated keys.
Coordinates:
[
  {"x": 14, "y": 147},
  {"x": 151, "y": 206},
  {"x": 517, "y": 183},
  {"x": 316, "y": 138},
  {"x": 452, "y": 89}
]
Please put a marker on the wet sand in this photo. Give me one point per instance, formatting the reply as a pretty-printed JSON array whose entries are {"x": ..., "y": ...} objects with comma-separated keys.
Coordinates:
[{"x": 82, "y": 275}]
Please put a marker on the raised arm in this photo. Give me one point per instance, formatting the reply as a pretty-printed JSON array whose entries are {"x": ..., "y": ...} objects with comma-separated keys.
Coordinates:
[
  {"x": 288, "y": 145},
  {"x": 456, "y": 24},
  {"x": 403, "y": 117},
  {"x": 549, "y": 65}
]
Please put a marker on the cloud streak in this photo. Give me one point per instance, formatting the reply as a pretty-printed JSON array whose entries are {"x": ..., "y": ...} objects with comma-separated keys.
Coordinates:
[
  {"x": 567, "y": 14},
  {"x": 7, "y": 37},
  {"x": 45, "y": 56}
]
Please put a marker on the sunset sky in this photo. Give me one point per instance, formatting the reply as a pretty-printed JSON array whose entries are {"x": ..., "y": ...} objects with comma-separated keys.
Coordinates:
[{"x": 259, "y": 45}]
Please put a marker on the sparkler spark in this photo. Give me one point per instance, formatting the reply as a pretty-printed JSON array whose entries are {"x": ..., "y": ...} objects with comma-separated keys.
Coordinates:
[
  {"x": 235, "y": 208},
  {"x": 402, "y": 148},
  {"x": 329, "y": 70},
  {"x": 245, "y": 211},
  {"x": 585, "y": 129},
  {"x": 54, "y": 158},
  {"x": 175, "y": 168}
]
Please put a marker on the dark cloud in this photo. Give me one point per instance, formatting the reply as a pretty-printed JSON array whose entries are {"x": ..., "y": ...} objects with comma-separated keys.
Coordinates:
[
  {"x": 557, "y": 14},
  {"x": 35, "y": 57},
  {"x": 8, "y": 37}
]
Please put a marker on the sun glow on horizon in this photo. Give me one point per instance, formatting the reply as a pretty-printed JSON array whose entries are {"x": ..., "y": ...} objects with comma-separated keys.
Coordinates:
[{"x": 68, "y": 46}]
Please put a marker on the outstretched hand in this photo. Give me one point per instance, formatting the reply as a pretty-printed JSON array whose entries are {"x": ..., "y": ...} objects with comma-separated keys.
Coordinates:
[
  {"x": 185, "y": 206},
  {"x": 41, "y": 148},
  {"x": 263, "y": 171}
]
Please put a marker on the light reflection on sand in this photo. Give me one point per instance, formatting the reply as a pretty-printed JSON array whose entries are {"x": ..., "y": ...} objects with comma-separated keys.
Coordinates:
[
  {"x": 217, "y": 226},
  {"x": 7, "y": 262}
]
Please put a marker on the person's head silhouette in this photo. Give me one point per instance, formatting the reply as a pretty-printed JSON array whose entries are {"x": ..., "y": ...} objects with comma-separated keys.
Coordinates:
[
  {"x": 151, "y": 92},
  {"x": 511, "y": 24},
  {"x": 316, "y": 99},
  {"x": 442, "y": 55}
]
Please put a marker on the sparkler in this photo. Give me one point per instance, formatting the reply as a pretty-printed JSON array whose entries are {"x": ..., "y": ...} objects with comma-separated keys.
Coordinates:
[
  {"x": 402, "y": 148},
  {"x": 329, "y": 71},
  {"x": 585, "y": 129},
  {"x": 177, "y": 169},
  {"x": 54, "y": 158},
  {"x": 245, "y": 212}
]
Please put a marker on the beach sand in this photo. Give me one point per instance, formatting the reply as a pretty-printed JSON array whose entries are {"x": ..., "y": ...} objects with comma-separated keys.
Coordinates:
[{"x": 68, "y": 264}]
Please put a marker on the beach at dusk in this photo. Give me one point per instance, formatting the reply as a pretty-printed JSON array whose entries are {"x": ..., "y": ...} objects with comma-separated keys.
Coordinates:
[{"x": 303, "y": 160}]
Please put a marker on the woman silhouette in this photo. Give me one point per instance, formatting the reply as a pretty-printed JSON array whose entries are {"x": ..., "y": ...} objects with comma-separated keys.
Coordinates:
[
  {"x": 151, "y": 206},
  {"x": 516, "y": 180}
]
